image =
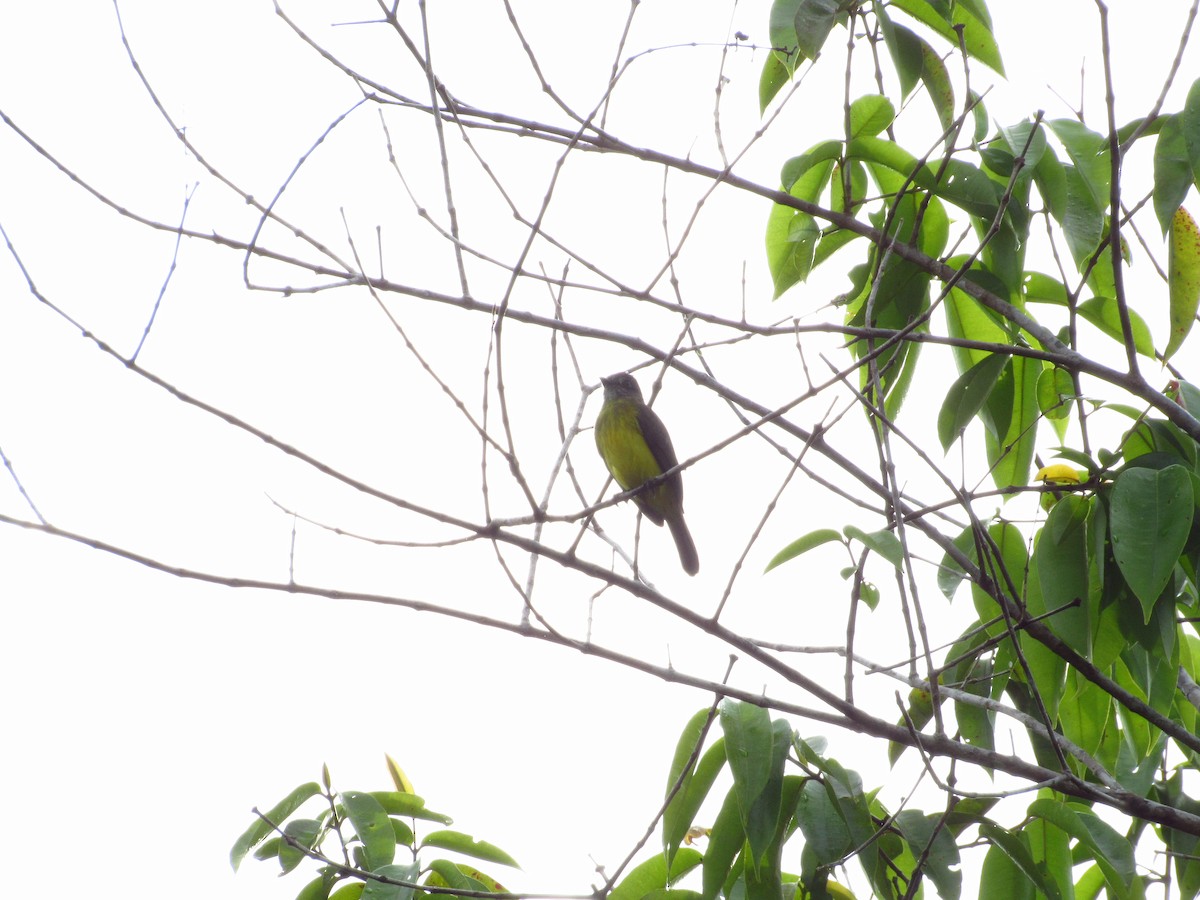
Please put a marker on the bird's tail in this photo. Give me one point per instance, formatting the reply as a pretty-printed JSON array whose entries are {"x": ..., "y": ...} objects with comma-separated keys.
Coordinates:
[{"x": 684, "y": 543}]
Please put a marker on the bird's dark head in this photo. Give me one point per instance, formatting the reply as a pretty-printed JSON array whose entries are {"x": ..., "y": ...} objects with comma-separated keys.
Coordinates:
[{"x": 619, "y": 386}]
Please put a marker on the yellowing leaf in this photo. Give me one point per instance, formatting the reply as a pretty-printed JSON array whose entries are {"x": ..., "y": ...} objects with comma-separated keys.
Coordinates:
[
  {"x": 399, "y": 779},
  {"x": 1183, "y": 278}
]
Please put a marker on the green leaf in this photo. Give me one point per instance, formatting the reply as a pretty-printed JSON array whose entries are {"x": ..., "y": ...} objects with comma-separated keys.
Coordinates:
[
  {"x": 1083, "y": 218},
  {"x": 748, "y": 742},
  {"x": 1089, "y": 151},
  {"x": 1086, "y": 715},
  {"x": 462, "y": 876},
  {"x": 1109, "y": 849},
  {"x": 950, "y": 573},
  {"x": 803, "y": 545},
  {"x": 870, "y": 115},
  {"x": 782, "y": 23},
  {"x": 304, "y": 832},
  {"x": 943, "y": 18},
  {"x": 1183, "y": 278},
  {"x": 377, "y": 890},
  {"x": 927, "y": 838},
  {"x": 1041, "y": 288},
  {"x": 696, "y": 782},
  {"x": 1013, "y": 845},
  {"x": 318, "y": 888},
  {"x": 960, "y": 183},
  {"x": 372, "y": 826},
  {"x": 276, "y": 815},
  {"x": 1050, "y": 176},
  {"x": 966, "y": 396},
  {"x": 1172, "y": 171},
  {"x": 792, "y": 235},
  {"x": 883, "y": 542},
  {"x": 1055, "y": 391},
  {"x": 1151, "y": 516},
  {"x": 814, "y": 21},
  {"x": 468, "y": 846},
  {"x": 399, "y": 803},
  {"x": 904, "y": 47},
  {"x": 1189, "y": 125},
  {"x": 776, "y": 72},
  {"x": 654, "y": 875},
  {"x": 826, "y": 837},
  {"x": 1061, "y": 558},
  {"x": 1012, "y": 405},
  {"x": 725, "y": 841},
  {"x": 444, "y": 873},
  {"x": 1105, "y": 314}
]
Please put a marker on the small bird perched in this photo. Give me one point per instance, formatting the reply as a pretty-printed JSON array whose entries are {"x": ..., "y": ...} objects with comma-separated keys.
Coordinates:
[{"x": 635, "y": 446}]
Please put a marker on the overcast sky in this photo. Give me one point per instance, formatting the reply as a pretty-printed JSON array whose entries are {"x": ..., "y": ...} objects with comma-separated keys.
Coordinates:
[{"x": 144, "y": 714}]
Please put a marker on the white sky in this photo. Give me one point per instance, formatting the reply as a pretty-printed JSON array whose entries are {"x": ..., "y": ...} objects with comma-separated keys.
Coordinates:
[{"x": 145, "y": 715}]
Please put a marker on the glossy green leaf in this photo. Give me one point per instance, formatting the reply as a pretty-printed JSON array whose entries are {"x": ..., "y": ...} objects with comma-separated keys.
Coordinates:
[
  {"x": 277, "y": 815},
  {"x": 1038, "y": 287},
  {"x": 1005, "y": 561},
  {"x": 1061, "y": 556},
  {"x": 468, "y": 846},
  {"x": 814, "y": 21},
  {"x": 444, "y": 873},
  {"x": 883, "y": 542},
  {"x": 937, "y": 81},
  {"x": 1109, "y": 849},
  {"x": 748, "y": 741},
  {"x": 803, "y": 545},
  {"x": 725, "y": 842},
  {"x": 966, "y": 396},
  {"x": 904, "y": 47},
  {"x": 826, "y": 836},
  {"x": 653, "y": 875},
  {"x": 1012, "y": 406},
  {"x": 1000, "y": 879},
  {"x": 1050, "y": 176},
  {"x": 1085, "y": 715},
  {"x": 1055, "y": 393},
  {"x": 958, "y": 183},
  {"x": 696, "y": 782},
  {"x": 950, "y": 573},
  {"x": 1150, "y": 518},
  {"x": 1184, "y": 847},
  {"x": 304, "y": 832},
  {"x": 372, "y": 825},
  {"x": 1183, "y": 278},
  {"x": 792, "y": 235},
  {"x": 776, "y": 73},
  {"x": 1105, "y": 314},
  {"x": 870, "y": 115},
  {"x": 399, "y": 803},
  {"x": 1014, "y": 847},
  {"x": 929, "y": 841},
  {"x": 762, "y": 817},
  {"x": 1083, "y": 218},
  {"x": 1189, "y": 125},
  {"x": 945, "y": 19},
  {"x": 1172, "y": 171},
  {"x": 317, "y": 889},
  {"x": 378, "y": 890},
  {"x": 1089, "y": 152}
]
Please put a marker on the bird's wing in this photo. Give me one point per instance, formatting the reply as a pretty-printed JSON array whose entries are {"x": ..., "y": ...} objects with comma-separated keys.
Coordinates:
[{"x": 657, "y": 438}]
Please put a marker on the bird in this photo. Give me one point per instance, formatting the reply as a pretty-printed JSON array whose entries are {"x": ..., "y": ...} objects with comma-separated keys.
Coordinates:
[{"x": 635, "y": 446}]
